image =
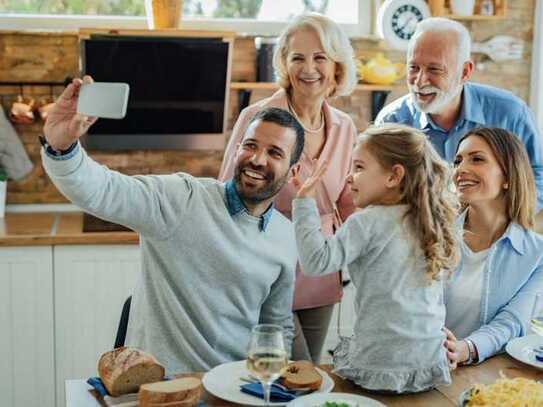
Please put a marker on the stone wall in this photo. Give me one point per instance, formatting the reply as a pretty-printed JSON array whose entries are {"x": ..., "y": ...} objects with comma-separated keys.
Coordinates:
[{"x": 37, "y": 57}]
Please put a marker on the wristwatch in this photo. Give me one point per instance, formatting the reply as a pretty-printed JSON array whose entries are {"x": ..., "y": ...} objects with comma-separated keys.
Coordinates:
[{"x": 56, "y": 153}]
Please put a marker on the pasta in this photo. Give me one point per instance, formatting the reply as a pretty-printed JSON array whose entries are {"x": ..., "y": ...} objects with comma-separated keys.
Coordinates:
[{"x": 518, "y": 392}]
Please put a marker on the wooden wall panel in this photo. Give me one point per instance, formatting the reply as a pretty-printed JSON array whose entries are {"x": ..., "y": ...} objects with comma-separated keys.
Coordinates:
[{"x": 30, "y": 57}]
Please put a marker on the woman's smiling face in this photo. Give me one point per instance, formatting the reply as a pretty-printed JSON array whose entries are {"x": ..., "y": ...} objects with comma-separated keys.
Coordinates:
[
  {"x": 478, "y": 175},
  {"x": 312, "y": 73}
]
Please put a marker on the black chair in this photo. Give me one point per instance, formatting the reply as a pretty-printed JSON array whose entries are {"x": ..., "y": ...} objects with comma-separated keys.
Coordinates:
[{"x": 123, "y": 324}]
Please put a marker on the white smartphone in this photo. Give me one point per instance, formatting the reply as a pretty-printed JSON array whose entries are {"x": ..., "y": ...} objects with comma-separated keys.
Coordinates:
[{"x": 107, "y": 100}]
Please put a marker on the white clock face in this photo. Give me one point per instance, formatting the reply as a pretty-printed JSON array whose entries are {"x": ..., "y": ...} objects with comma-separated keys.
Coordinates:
[
  {"x": 398, "y": 19},
  {"x": 404, "y": 21}
]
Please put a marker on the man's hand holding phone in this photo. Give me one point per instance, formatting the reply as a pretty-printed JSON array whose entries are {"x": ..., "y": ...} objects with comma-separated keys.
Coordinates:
[{"x": 77, "y": 109}]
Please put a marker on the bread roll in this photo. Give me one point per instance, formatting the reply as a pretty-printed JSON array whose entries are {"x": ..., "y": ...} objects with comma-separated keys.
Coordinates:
[
  {"x": 183, "y": 390},
  {"x": 301, "y": 374},
  {"x": 123, "y": 370}
]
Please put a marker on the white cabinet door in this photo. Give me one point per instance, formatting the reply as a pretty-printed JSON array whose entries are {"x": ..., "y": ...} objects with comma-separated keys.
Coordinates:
[
  {"x": 91, "y": 284},
  {"x": 26, "y": 327}
]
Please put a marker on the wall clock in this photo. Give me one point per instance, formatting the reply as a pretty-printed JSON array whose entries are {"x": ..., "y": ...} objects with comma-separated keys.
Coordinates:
[{"x": 397, "y": 20}]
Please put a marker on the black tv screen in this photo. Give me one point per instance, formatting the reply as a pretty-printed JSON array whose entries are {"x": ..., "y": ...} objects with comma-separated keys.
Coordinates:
[{"x": 177, "y": 89}]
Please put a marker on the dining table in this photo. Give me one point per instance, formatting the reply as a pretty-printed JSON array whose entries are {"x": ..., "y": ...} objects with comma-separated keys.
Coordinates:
[{"x": 80, "y": 394}]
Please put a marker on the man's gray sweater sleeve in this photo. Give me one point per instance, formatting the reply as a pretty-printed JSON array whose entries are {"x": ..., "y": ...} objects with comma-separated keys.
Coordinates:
[
  {"x": 142, "y": 203},
  {"x": 277, "y": 309}
]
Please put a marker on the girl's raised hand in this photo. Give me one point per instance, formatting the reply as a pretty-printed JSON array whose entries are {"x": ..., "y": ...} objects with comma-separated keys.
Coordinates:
[{"x": 309, "y": 187}]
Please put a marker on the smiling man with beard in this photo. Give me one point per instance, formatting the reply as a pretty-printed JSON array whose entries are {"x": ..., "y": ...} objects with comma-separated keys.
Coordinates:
[
  {"x": 259, "y": 177},
  {"x": 443, "y": 104},
  {"x": 216, "y": 258}
]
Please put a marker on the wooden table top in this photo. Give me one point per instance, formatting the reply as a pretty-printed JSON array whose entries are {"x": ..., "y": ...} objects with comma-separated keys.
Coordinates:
[
  {"x": 464, "y": 377},
  {"x": 52, "y": 228}
]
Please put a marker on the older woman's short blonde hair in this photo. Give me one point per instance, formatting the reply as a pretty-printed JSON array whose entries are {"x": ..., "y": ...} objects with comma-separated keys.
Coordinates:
[{"x": 334, "y": 43}]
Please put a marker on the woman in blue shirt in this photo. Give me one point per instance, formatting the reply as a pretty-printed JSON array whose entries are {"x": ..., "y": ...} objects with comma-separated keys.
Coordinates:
[{"x": 490, "y": 296}]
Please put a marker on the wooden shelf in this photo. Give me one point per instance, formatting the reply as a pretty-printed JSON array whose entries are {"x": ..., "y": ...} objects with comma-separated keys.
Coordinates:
[
  {"x": 273, "y": 86},
  {"x": 474, "y": 17},
  {"x": 442, "y": 8}
]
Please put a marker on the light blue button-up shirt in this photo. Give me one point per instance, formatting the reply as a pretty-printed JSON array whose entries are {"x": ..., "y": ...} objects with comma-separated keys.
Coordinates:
[
  {"x": 482, "y": 106},
  {"x": 513, "y": 274},
  {"x": 235, "y": 205}
]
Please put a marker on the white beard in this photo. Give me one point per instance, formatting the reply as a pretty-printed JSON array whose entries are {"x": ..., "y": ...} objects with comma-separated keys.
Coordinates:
[{"x": 441, "y": 99}]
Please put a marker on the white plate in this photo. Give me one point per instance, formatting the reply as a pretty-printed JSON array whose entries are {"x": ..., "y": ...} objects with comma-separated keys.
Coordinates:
[
  {"x": 316, "y": 399},
  {"x": 223, "y": 381},
  {"x": 463, "y": 398},
  {"x": 522, "y": 349}
]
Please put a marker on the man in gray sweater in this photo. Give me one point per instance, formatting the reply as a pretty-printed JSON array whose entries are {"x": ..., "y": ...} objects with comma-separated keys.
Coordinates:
[{"x": 217, "y": 258}]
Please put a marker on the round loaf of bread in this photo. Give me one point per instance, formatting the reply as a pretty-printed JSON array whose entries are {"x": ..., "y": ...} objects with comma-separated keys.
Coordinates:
[
  {"x": 124, "y": 370},
  {"x": 301, "y": 374},
  {"x": 186, "y": 390}
]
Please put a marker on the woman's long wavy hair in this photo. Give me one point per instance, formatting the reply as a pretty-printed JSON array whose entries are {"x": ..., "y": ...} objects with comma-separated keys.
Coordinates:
[
  {"x": 426, "y": 189},
  {"x": 520, "y": 196}
]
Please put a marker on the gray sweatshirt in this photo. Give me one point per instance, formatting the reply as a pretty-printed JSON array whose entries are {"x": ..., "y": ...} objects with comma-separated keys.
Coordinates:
[
  {"x": 397, "y": 343},
  {"x": 207, "y": 276}
]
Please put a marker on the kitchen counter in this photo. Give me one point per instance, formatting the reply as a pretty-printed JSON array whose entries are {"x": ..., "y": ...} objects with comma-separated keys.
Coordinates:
[{"x": 51, "y": 228}]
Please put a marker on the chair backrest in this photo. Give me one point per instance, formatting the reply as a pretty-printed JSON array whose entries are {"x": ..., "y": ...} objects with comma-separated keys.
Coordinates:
[{"x": 123, "y": 324}]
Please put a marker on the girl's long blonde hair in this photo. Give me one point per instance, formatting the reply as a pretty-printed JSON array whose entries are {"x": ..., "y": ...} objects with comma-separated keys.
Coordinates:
[{"x": 426, "y": 189}]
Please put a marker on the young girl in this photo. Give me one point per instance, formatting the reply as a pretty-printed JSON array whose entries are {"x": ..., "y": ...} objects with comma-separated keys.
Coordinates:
[{"x": 396, "y": 249}]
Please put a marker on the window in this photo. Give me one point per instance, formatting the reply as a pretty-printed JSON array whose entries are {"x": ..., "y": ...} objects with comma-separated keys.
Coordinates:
[{"x": 262, "y": 17}]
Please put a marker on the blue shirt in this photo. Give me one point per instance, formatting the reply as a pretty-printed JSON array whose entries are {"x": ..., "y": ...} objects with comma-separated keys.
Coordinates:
[
  {"x": 513, "y": 274},
  {"x": 235, "y": 205},
  {"x": 482, "y": 106}
]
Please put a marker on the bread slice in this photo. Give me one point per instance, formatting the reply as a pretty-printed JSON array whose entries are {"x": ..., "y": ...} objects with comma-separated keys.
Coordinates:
[
  {"x": 171, "y": 391},
  {"x": 123, "y": 370},
  {"x": 301, "y": 374},
  {"x": 189, "y": 402}
]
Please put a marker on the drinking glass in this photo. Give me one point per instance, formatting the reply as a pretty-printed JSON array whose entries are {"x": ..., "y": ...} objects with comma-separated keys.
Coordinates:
[
  {"x": 536, "y": 320},
  {"x": 267, "y": 356}
]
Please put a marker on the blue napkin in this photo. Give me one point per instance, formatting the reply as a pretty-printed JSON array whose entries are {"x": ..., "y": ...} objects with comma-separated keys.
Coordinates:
[
  {"x": 96, "y": 382},
  {"x": 276, "y": 394},
  {"x": 98, "y": 385},
  {"x": 538, "y": 352}
]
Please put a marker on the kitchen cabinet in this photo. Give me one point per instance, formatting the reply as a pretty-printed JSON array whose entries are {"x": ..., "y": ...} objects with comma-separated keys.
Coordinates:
[
  {"x": 26, "y": 327},
  {"x": 91, "y": 284},
  {"x": 59, "y": 311}
]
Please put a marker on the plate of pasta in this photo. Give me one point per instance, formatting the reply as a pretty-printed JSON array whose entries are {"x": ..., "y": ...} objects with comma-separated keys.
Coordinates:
[{"x": 504, "y": 392}]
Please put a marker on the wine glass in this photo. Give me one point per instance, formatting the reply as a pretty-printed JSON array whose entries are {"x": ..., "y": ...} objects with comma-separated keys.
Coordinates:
[
  {"x": 536, "y": 320},
  {"x": 267, "y": 356}
]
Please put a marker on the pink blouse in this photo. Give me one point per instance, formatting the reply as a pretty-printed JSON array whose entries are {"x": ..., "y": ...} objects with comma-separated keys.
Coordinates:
[{"x": 310, "y": 292}]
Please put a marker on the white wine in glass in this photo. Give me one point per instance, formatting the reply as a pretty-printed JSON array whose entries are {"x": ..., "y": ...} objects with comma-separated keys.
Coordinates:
[
  {"x": 536, "y": 320},
  {"x": 267, "y": 356},
  {"x": 267, "y": 364}
]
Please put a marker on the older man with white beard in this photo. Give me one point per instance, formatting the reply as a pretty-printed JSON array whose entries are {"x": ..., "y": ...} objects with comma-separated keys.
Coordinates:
[{"x": 443, "y": 104}]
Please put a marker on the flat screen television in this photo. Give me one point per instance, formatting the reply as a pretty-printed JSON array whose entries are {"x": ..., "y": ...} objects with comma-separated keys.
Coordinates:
[{"x": 178, "y": 91}]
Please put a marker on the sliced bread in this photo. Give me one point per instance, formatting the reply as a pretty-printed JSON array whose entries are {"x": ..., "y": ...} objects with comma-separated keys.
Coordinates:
[
  {"x": 301, "y": 374},
  {"x": 178, "y": 390},
  {"x": 124, "y": 369},
  {"x": 189, "y": 402}
]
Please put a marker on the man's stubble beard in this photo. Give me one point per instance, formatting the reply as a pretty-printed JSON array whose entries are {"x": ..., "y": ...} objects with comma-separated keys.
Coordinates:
[{"x": 266, "y": 192}]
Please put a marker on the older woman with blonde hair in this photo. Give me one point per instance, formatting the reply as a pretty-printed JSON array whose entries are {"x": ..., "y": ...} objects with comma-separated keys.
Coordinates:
[
  {"x": 313, "y": 62},
  {"x": 490, "y": 296}
]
